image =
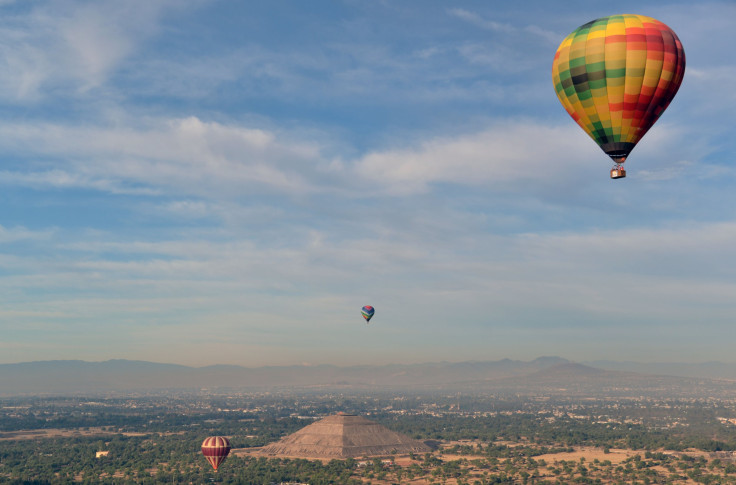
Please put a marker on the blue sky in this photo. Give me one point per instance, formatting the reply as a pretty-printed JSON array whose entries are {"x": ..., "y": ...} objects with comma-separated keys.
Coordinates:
[{"x": 220, "y": 182}]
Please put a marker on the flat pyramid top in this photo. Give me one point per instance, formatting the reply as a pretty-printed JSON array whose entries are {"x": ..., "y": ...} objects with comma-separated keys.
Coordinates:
[{"x": 344, "y": 436}]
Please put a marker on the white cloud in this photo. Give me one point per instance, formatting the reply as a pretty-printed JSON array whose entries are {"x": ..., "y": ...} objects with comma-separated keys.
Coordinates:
[
  {"x": 506, "y": 152},
  {"x": 211, "y": 161},
  {"x": 558, "y": 269},
  {"x": 69, "y": 180},
  {"x": 669, "y": 274},
  {"x": 477, "y": 20},
  {"x": 76, "y": 43},
  {"x": 15, "y": 234},
  {"x": 186, "y": 156}
]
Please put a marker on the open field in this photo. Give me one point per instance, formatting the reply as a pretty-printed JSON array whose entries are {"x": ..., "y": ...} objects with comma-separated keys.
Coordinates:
[
  {"x": 589, "y": 454},
  {"x": 60, "y": 433},
  {"x": 64, "y": 433}
]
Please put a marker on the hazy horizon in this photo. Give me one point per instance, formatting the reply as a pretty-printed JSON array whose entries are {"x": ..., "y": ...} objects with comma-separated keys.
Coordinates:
[
  {"x": 211, "y": 182},
  {"x": 395, "y": 363}
]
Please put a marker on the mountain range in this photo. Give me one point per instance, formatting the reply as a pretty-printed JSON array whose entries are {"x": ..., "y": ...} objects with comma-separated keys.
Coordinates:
[{"x": 544, "y": 374}]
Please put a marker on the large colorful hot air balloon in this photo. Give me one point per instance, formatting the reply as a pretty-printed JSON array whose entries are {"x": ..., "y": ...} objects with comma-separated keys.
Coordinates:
[
  {"x": 216, "y": 449},
  {"x": 367, "y": 312},
  {"x": 615, "y": 76}
]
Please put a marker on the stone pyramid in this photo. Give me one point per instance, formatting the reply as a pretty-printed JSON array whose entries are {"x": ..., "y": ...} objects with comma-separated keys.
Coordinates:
[{"x": 344, "y": 436}]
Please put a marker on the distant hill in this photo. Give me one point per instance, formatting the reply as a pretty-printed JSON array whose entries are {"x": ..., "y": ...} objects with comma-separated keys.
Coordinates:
[
  {"x": 75, "y": 376},
  {"x": 708, "y": 370},
  {"x": 542, "y": 375}
]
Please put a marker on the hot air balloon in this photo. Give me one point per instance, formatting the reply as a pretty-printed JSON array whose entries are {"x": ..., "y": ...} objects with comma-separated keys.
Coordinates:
[
  {"x": 216, "y": 449},
  {"x": 615, "y": 76},
  {"x": 367, "y": 312}
]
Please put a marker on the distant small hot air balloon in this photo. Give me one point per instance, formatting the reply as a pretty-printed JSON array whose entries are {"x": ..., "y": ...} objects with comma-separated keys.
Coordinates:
[
  {"x": 216, "y": 449},
  {"x": 367, "y": 312},
  {"x": 615, "y": 76}
]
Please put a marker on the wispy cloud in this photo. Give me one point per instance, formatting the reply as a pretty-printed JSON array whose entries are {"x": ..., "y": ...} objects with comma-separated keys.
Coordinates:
[
  {"x": 477, "y": 20},
  {"x": 587, "y": 273},
  {"x": 501, "y": 156},
  {"x": 218, "y": 162},
  {"x": 15, "y": 234},
  {"x": 186, "y": 156},
  {"x": 503, "y": 28},
  {"x": 71, "y": 44}
]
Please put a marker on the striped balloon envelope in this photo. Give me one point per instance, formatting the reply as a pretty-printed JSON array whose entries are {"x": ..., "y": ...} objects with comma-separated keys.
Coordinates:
[
  {"x": 615, "y": 76},
  {"x": 367, "y": 312},
  {"x": 215, "y": 449}
]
